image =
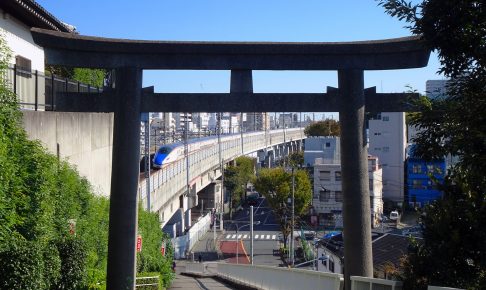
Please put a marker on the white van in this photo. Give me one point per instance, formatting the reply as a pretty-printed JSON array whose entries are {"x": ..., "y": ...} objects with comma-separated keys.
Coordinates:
[{"x": 394, "y": 215}]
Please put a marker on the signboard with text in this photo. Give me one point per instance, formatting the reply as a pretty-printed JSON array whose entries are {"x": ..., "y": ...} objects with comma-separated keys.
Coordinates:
[{"x": 139, "y": 243}]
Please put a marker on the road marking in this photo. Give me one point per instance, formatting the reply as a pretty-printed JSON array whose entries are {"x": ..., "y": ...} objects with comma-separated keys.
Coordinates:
[
  {"x": 245, "y": 236},
  {"x": 228, "y": 236},
  {"x": 233, "y": 236},
  {"x": 256, "y": 236},
  {"x": 268, "y": 237},
  {"x": 273, "y": 237}
]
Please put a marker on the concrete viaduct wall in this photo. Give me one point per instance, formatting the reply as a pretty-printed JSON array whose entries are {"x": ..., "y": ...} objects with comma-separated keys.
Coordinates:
[{"x": 85, "y": 140}]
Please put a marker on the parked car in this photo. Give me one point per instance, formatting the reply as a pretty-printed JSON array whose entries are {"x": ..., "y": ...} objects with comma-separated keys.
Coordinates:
[{"x": 394, "y": 216}]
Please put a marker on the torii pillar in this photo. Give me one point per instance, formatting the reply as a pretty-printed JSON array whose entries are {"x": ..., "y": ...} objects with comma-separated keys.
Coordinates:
[
  {"x": 354, "y": 170},
  {"x": 124, "y": 180}
]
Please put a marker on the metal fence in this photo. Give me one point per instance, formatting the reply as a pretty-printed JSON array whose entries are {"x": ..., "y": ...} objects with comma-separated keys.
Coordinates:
[{"x": 37, "y": 90}]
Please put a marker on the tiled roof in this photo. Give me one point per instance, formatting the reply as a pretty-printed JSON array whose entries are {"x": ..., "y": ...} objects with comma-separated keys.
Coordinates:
[
  {"x": 385, "y": 247},
  {"x": 389, "y": 248},
  {"x": 33, "y": 15}
]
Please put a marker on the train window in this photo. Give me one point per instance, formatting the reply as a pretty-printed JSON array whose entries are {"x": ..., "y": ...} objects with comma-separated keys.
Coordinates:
[{"x": 164, "y": 150}]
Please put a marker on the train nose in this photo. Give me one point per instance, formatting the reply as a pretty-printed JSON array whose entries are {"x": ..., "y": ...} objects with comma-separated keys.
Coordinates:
[{"x": 159, "y": 158}]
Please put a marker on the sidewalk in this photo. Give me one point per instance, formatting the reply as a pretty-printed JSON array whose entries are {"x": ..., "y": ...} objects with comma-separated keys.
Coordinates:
[{"x": 190, "y": 283}]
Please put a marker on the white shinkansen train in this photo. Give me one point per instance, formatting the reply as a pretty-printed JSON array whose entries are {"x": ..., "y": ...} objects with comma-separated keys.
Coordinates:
[{"x": 169, "y": 153}]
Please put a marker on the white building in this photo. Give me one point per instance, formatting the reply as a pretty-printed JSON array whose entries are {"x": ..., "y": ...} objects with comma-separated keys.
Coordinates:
[
  {"x": 388, "y": 141},
  {"x": 16, "y": 20},
  {"x": 435, "y": 88},
  {"x": 328, "y": 196},
  {"x": 326, "y": 148}
]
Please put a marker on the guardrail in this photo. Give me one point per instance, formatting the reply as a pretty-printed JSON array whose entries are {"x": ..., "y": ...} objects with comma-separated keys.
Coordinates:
[
  {"x": 153, "y": 282},
  {"x": 365, "y": 283},
  {"x": 266, "y": 277}
]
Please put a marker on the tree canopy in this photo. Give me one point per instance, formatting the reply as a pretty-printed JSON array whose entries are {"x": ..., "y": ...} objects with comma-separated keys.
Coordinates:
[
  {"x": 453, "y": 253},
  {"x": 237, "y": 177},
  {"x": 275, "y": 184},
  {"x": 328, "y": 127}
]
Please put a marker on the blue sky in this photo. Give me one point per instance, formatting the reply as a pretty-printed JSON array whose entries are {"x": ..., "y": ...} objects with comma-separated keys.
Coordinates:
[{"x": 245, "y": 20}]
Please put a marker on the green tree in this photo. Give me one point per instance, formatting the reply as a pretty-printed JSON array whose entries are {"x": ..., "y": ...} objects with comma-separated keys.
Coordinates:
[
  {"x": 452, "y": 124},
  {"x": 236, "y": 179},
  {"x": 88, "y": 76},
  {"x": 275, "y": 184},
  {"x": 328, "y": 127},
  {"x": 294, "y": 159}
]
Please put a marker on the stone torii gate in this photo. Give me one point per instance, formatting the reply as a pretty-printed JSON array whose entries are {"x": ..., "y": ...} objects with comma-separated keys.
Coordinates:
[{"x": 128, "y": 101}]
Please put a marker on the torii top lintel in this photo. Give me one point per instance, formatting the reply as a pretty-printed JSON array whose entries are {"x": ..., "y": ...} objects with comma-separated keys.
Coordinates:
[{"x": 84, "y": 51}]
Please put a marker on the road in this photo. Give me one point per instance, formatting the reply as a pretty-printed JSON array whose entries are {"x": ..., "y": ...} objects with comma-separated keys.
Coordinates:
[{"x": 266, "y": 235}]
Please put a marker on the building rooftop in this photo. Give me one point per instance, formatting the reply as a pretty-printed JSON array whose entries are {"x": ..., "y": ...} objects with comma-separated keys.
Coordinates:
[
  {"x": 387, "y": 248},
  {"x": 34, "y": 15}
]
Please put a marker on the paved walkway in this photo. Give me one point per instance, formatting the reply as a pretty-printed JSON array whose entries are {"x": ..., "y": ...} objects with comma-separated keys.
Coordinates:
[
  {"x": 190, "y": 283},
  {"x": 185, "y": 282}
]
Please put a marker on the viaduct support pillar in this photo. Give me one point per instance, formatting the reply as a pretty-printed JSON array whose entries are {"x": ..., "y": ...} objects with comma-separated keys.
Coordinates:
[
  {"x": 358, "y": 260},
  {"x": 124, "y": 180}
]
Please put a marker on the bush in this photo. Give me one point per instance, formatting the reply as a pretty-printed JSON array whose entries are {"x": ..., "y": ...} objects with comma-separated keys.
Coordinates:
[
  {"x": 73, "y": 264},
  {"x": 21, "y": 266}
]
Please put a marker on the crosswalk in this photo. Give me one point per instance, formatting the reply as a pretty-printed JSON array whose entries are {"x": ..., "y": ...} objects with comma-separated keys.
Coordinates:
[{"x": 267, "y": 237}]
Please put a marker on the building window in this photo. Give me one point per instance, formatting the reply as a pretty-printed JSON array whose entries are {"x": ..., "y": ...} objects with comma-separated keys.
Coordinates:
[
  {"x": 386, "y": 149},
  {"x": 328, "y": 144},
  {"x": 377, "y": 148},
  {"x": 338, "y": 196},
  {"x": 377, "y": 134},
  {"x": 325, "y": 175},
  {"x": 417, "y": 184},
  {"x": 324, "y": 195},
  {"x": 417, "y": 168},
  {"x": 338, "y": 175},
  {"x": 371, "y": 185},
  {"x": 385, "y": 118},
  {"x": 430, "y": 168},
  {"x": 331, "y": 266},
  {"x": 24, "y": 66}
]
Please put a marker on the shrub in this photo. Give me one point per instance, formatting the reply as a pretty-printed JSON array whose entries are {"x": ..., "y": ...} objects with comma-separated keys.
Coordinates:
[
  {"x": 73, "y": 263},
  {"x": 21, "y": 266}
]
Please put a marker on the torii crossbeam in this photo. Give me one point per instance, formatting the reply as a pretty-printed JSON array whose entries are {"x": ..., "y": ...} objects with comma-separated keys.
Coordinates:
[{"x": 127, "y": 101}]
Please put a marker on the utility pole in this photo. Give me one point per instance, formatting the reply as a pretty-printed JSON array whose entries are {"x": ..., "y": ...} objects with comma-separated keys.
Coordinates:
[
  {"x": 251, "y": 235},
  {"x": 241, "y": 131},
  {"x": 293, "y": 220},
  {"x": 186, "y": 152},
  {"x": 221, "y": 167},
  {"x": 146, "y": 120}
]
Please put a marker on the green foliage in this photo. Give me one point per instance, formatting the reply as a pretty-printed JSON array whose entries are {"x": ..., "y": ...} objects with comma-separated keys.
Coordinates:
[
  {"x": 237, "y": 177},
  {"x": 150, "y": 281},
  {"x": 53, "y": 230},
  {"x": 92, "y": 77},
  {"x": 72, "y": 252},
  {"x": 21, "y": 265},
  {"x": 150, "y": 258},
  {"x": 328, "y": 127},
  {"x": 294, "y": 159},
  {"x": 453, "y": 253},
  {"x": 276, "y": 185}
]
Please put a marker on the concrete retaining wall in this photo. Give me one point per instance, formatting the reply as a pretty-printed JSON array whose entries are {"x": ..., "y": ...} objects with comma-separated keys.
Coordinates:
[{"x": 85, "y": 140}]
